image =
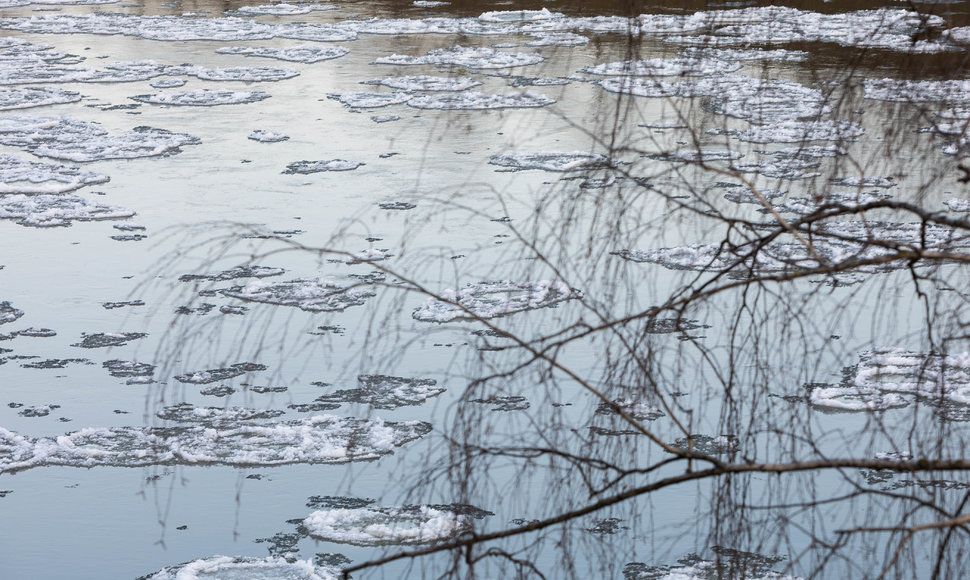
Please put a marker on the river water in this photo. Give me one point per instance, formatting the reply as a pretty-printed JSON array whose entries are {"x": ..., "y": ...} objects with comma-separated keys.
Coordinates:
[{"x": 220, "y": 223}]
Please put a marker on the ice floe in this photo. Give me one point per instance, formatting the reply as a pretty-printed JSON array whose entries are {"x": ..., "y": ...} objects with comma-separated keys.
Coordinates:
[
  {"x": 493, "y": 299},
  {"x": 801, "y": 131},
  {"x": 365, "y": 100},
  {"x": 698, "y": 155},
  {"x": 42, "y": 211},
  {"x": 957, "y": 205},
  {"x": 386, "y": 392},
  {"x": 203, "y": 98},
  {"x": 637, "y": 409},
  {"x": 226, "y": 567},
  {"x": 167, "y": 83},
  {"x": 551, "y": 161},
  {"x": 468, "y": 57},
  {"x": 107, "y": 339},
  {"x": 747, "y": 54},
  {"x": 518, "y": 15},
  {"x": 427, "y": 83},
  {"x": 304, "y": 53},
  {"x": 221, "y": 374},
  {"x": 30, "y": 177},
  {"x": 136, "y": 372},
  {"x": 728, "y": 563},
  {"x": 892, "y": 378},
  {"x": 267, "y": 136},
  {"x": 312, "y": 295},
  {"x": 664, "y": 67},
  {"x": 234, "y": 274},
  {"x": 282, "y": 9},
  {"x": 557, "y": 39},
  {"x": 474, "y": 100},
  {"x": 8, "y": 313},
  {"x": 308, "y": 167},
  {"x": 429, "y": 3},
  {"x": 78, "y": 141},
  {"x": 504, "y": 403},
  {"x": 925, "y": 91},
  {"x": 215, "y": 416},
  {"x": 317, "y": 439},
  {"x": 35, "y": 97},
  {"x": 386, "y": 525}
]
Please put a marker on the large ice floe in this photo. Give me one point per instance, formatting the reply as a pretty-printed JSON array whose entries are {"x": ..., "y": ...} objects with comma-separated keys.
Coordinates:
[
  {"x": 35, "y": 97},
  {"x": 468, "y": 57},
  {"x": 303, "y": 53},
  {"x": 312, "y": 295},
  {"x": 51, "y": 210},
  {"x": 379, "y": 526},
  {"x": 317, "y": 439},
  {"x": 248, "y": 568},
  {"x": 551, "y": 160},
  {"x": 31, "y": 177},
  {"x": 890, "y": 378},
  {"x": 728, "y": 564},
  {"x": 80, "y": 142},
  {"x": 493, "y": 299},
  {"x": 203, "y": 98},
  {"x": 427, "y": 83},
  {"x": 386, "y": 392}
]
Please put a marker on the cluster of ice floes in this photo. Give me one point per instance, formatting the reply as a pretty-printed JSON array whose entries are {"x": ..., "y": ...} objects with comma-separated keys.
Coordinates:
[
  {"x": 42, "y": 211},
  {"x": 303, "y": 53},
  {"x": 317, "y": 439},
  {"x": 35, "y": 97},
  {"x": 18, "y": 175},
  {"x": 78, "y": 141},
  {"x": 226, "y": 567},
  {"x": 312, "y": 295},
  {"x": 833, "y": 243},
  {"x": 386, "y": 392},
  {"x": 467, "y": 57},
  {"x": 203, "y": 98},
  {"x": 308, "y": 167},
  {"x": 379, "y": 526},
  {"x": 493, "y": 299},
  {"x": 890, "y": 378},
  {"x": 661, "y": 67},
  {"x": 728, "y": 564},
  {"x": 552, "y": 161}
]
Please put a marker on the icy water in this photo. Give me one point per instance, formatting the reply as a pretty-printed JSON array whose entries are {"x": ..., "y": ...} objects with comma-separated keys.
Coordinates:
[{"x": 215, "y": 218}]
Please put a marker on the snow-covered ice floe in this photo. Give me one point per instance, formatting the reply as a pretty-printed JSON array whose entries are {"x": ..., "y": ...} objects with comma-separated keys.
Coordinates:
[
  {"x": 662, "y": 67},
  {"x": 926, "y": 91},
  {"x": 427, "y": 83},
  {"x": 312, "y": 295},
  {"x": 282, "y": 9},
  {"x": 8, "y": 313},
  {"x": 35, "y": 97},
  {"x": 474, "y": 100},
  {"x": 203, "y": 98},
  {"x": 493, "y": 299},
  {"x": 221, "y": 374},
  {"x": 386, "y": 392},
  {"x": 892, "y": 378},
  {"x": 188, "y": 413},
  {"x": 379, "y": 526},
  {"x": 308, "y": 167},
  {"x": 303, "y": 53},
  {"x": 81, "y": 142},
  {"x": 46, "y": 210},
  {"x": 317, "y": 439},
  {"x": 234, "y": 274},
  {"x": 31, "y": 177},
  {"x": 248, "y": 568},
  {"x": 728, "y": 564},
  {"x": 365, "y": 100},
  {"x": 267, "y": 136},
  {"x": 551, "y": 160},
  {"x": 468, "y": 57}
]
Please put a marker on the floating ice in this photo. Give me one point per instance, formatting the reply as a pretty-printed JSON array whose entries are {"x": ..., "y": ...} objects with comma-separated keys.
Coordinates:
[
  {"x": 71, "y": 140},
  {"x": 955, "y": 91},
  {"x": 863, "y": 181},
  {"x": 805, "y": 205},
  {"x": 8, "y": 313},
  {"x": 312, "y": 295},
  {"x": 55, "y": 363},
  {"x": 398, "y": 26},
  {"x": 308, "y": 167},
  {"x": 958, "y": 205},
  {"x": 492, "y": 299},
  {"x": 267, "y": 136},
  {"x": 369, "y": 255},
  {"x": 222, "y": 374},
  {"x": 664, "y": 67},
  {"x": 728, "y": 564},
  {"x": 203, "y": 98},
  {"x": 385, "y": 525},
  {"x": 35, "y": 97},
  {"x": 557, "y": 39},
  {"x": 215, "y": 416},
  {"x": 427, "y": 83},
  {"x": 234, "y": 274},
  {"x": 699, "y": 155},
  {"x": 474, "y": 100},
  {"x": 280, "y": 9},
  {"x": 552, "y": 161},
  {"x": 35, "y": 332},
  {"x": 317, "y": 439},
  {"x": 740, "y": 54},
  {"x": 363, "y": 100},
  {"x": 506, "y": 403},
  {"x": 225, "y": 567},
  {"x": 304, "y": 53},
  {"x": 801, "y": 131},
  {"x": 128, "y": 369},
  {"x": 107, "y": 339},
  {"x": 384, "y": 118},
  {"x": 386, "y": 392},
  {"x": 167, "y": 83},
  {"x": 892, "y": 378},
  {"x": 518, "y": 15},
  {"x": 30, "y": 177},
  {"x": 43, "y": 211},
  {"x": 788, "y": 168},
  {"x": 246, "y": 74},
  {"x": 429, "y": 3},
  {"x": 636, "y": 409},
  {"x": 480, "y": 58}
]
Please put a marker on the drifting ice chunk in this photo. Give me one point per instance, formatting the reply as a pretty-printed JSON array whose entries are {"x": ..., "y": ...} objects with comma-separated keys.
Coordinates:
[
  {"x": 958, "y": 205},
  {"x": 8, "y": 313},
  {"x": 44, "y": 211},
  {"x": 552, "y": 161},
  {"x": 203, "y": 98},
  {"x": 698, "y": 155},
  {"x": 214, "y": 416},
  {"x": 280, "y": 9},
  {"x": 167, "y": 83},
  {"x": 107, "y": 339},
  {"x": 35, "y": 97},
  {"x": 429, "y": 3},
  {"x": 664, "y": 67},
  {"x": 318, "y": 439},
  {"x": 235, "y": 274},
  {"x": 267, "y": 136},
  {"x": 473, "y": 100},
  {"x": 481, "y": 58},
  {"x": 370, "y": 100},
  {"x": 128, "y": 369},
  {"x": 308, "y": 167},
  {"x": 30, "y": 177},
  {"x": 270, "y": 568},
  {"x": 312, "y": 295},
  {"x": 957, "y": 91},
  {"x": 519, "y": 15},
  {"x": 557, "y": 39},
  {"x": 801, "y": 131},
  {"x": 386, "y": 525},
  {"x": 245, "y": 74},
  {"x": 492, "y": 299},
  {"x": 386, "y": 392},
  {"x": 222, "y": 374},
  {"x": 427, "y": 83},
  {"x": 304, "y": 53}
]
